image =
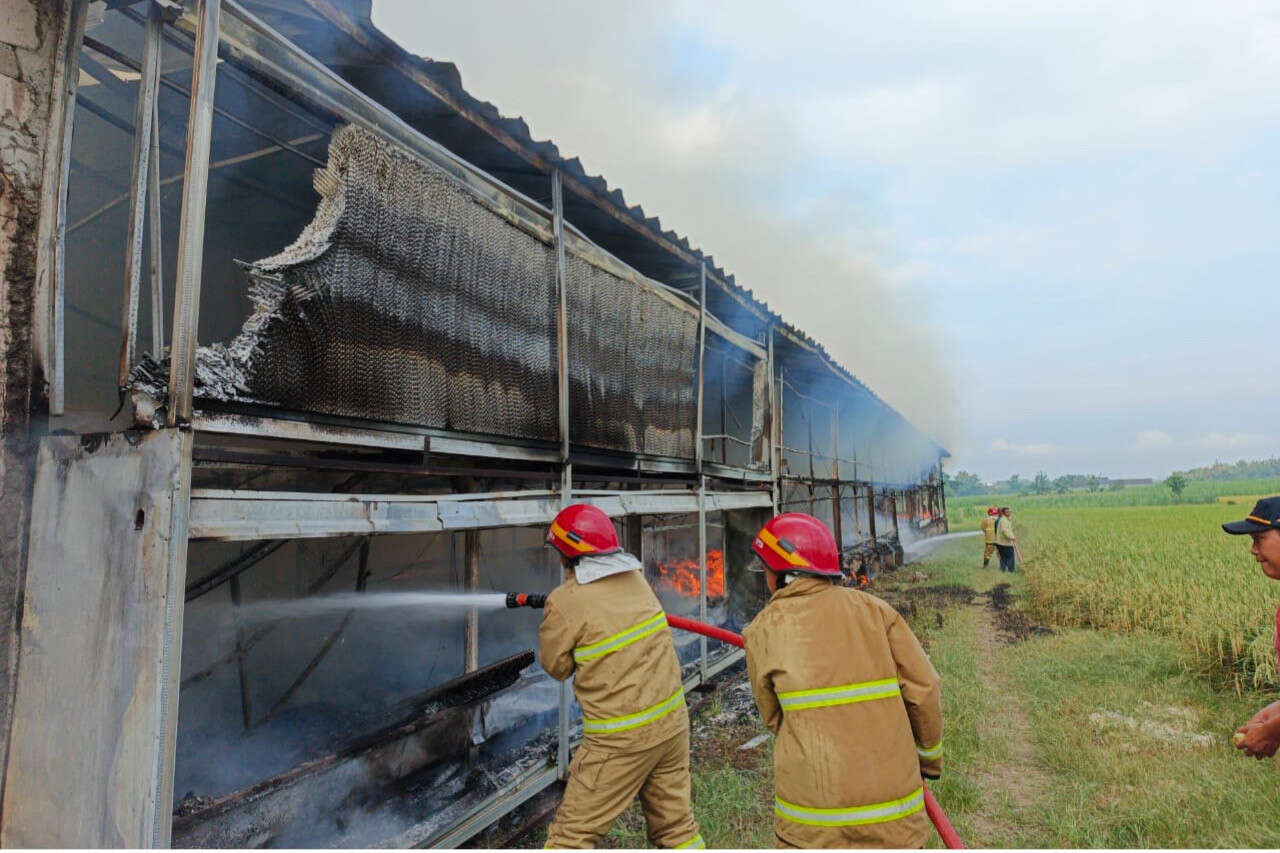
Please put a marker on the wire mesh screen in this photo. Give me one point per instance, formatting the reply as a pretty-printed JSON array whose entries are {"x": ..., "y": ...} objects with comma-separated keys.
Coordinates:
[
  {"x": 409, "y": 300},
  {"x": 632, "y": 360}
]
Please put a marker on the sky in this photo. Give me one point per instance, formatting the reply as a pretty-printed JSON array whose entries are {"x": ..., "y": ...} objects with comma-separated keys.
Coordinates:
[{"x": 1045, "y": 232}]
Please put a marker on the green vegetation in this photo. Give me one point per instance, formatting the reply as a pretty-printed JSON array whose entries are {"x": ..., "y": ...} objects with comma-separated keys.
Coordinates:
[
  {"x": 1087, "y": 738},
  {"x": 964, "y": 510},
  {"x": 1260, "y": 468}
]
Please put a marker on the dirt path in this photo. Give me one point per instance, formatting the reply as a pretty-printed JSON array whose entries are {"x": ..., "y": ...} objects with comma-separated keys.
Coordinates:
[{"x": 1012, "y": 783}]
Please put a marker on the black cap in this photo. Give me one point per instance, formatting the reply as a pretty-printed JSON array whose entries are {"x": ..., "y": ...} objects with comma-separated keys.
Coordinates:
[{"x": 1265, "y": 516}]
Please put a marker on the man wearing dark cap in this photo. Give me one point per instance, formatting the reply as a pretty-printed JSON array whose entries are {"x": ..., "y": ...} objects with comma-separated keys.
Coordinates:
[{"x": 1260, "y": 737}]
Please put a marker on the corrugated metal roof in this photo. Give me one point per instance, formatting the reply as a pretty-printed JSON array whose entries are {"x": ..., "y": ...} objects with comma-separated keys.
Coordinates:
[{"x": 442, "y": 81}]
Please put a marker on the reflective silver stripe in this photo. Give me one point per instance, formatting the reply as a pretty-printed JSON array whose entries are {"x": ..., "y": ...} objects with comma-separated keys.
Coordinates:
[
  {"x": 852, "y": 816},
  {"x": 695, "y": 843},
  {"x": 623, "y": 638},
  {"x": 841, "y": 694},
  {"x": 635, "y": 721},
  {"x": 931, "y": 752}
]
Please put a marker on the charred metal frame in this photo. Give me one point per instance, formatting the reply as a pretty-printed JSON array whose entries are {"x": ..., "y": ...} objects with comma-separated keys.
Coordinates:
[{"x": 241, "y": 515}]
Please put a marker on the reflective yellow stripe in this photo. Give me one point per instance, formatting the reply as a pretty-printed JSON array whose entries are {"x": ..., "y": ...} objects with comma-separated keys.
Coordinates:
[
  {"x": 852, "y": 816},
  {"x": 931, "y": 752},
  {"x": 841, "y": 694},
  {"x": 772, "y": 541},
  {"x": 635, "y": 721},
  {"x": 622, "y": 639},
  {"x": 695, "y": 843},
  {"x": 563, "y": 536},
  {"x": 1254, "y": 518}
]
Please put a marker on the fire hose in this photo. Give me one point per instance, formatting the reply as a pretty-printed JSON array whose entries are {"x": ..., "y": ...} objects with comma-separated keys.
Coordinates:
[{"x": 931, "y": 807}]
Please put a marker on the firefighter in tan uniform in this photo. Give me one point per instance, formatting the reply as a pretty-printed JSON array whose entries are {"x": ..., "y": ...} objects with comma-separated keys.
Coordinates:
[
  {"x": 854, "y": 702},
  {"x": 605, "y": 627},
  {"x": 989, "y": 534}
]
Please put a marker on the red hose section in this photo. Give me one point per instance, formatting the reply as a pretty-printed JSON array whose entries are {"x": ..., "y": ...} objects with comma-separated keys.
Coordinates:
[
  {"x": 940, "y": 822},
  {"x": 945, "y": 830},
  {"x": 706, "y": 630}
]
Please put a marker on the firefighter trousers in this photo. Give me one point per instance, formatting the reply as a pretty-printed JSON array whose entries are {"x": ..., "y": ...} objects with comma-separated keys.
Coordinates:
[
  {"x": 602, "y": 784},
  {"x": 987, "y": 552}
]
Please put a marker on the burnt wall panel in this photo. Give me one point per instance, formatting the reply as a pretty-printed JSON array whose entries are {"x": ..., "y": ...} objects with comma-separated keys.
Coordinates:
[{"x": 632, "y": 361}]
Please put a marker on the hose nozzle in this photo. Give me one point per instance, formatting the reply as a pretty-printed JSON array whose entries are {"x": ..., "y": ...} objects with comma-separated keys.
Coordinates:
[{"x": 526, "y": 599}]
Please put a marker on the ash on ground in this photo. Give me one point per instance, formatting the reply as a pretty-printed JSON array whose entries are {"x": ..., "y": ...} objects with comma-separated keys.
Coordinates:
[{"x": 1168, "y": 724}]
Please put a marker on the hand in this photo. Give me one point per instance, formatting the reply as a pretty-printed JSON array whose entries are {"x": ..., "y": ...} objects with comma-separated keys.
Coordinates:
[{"x": 1260, "y": 739}]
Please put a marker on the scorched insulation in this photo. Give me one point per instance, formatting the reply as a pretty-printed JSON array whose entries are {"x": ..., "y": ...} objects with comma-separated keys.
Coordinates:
[{"x": 408, "y": 299}]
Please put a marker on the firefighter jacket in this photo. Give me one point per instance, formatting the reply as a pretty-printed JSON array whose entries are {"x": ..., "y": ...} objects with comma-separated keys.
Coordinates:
[
  {"x": 855, "y": 704},
  {"x": 989, "y": 528},
  {"x": 611, "y": 635}
]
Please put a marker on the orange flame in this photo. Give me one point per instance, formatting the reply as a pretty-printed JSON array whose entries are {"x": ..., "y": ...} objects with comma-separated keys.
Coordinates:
[{"x": 683, "y": 576}]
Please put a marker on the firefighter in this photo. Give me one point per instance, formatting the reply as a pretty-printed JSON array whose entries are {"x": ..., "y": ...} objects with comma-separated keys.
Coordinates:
[
  {"x": 989, "y": 534},
  {"x": 1260, "y": 737},
  {"x": 604, "y": 626},
  {"x": 855, "y": 704}
]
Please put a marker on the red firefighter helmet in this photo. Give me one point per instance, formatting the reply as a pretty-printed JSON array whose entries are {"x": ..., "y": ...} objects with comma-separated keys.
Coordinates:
[
  {"x": 992, "y": 511},
  {"x": 582, "y": 530},
  {"x": 796, "y": 542}
]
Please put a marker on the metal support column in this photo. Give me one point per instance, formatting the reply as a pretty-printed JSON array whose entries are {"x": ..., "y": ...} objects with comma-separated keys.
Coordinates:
[
  {"x": 702, "y": 573},
  {"x": 186, "y": 308},
  {"x": 56, "y": 187},
  {"x": 144, "y": 147},
  {"x": 775, "y": 427},
  {"x": 871, "y": 514},
  {"x": 157, "y": 236},
  {"x": 702, "y": 481},
  {"x": 471, "y": 639},
  {"x": 562, "y": 363},
  {"x": 942, "y": 496},
  {"x": 835, "y": 478}
]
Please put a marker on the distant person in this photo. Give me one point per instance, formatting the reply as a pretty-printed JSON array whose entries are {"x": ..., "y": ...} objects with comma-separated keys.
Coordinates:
[
  {"x": 989, "y": 535},
  {"x": 1260, "y": 737},
  {"x": 1006, "y": 541},
  {"x": 605, "y": 627},
  {"x": 851, "y": 696}
]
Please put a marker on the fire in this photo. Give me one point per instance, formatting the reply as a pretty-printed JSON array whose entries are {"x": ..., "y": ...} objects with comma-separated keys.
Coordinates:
[{"x": 683, "y": 575}]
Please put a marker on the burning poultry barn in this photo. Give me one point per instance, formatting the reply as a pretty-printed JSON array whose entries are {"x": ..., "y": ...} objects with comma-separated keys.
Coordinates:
[{"x": 311, "y": 320}]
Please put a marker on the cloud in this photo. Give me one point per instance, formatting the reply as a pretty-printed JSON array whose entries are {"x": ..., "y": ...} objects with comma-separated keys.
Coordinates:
[
  {"x": 1042, "y": 449},
  {"x": 1154, "y": 439},
  {"x": 1231, "y": 441}
]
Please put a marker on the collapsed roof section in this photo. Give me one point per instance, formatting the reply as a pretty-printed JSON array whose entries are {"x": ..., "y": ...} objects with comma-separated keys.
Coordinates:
[{"x": 429, "y": 96}]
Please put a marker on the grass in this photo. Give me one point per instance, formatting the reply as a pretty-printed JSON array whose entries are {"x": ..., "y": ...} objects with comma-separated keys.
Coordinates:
[
  {"x": 1167, "y": 570},
  {"x": 1064, "y": 780}
]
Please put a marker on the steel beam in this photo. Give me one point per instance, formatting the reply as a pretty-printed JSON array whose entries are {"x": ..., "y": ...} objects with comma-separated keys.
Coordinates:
[
  {"x": 143, "y": 130},
  {"x": 52, "y": 254},
  {"x": 156, "y": 233},
  {"x": 702, "y": 572},
  {"x": 562, "y": 378},
  {"x": 186, "y": 309}
]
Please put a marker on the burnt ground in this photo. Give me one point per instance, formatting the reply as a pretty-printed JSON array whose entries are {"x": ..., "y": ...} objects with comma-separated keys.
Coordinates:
[{"x": 1012, "y": 624}]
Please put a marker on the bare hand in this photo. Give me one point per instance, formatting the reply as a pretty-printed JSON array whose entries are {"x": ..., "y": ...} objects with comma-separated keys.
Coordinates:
[{"x": 1260, "y": 740}]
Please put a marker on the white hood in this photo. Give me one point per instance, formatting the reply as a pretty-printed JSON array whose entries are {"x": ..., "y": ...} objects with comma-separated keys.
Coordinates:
[{"x": 594, "y": 568}]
